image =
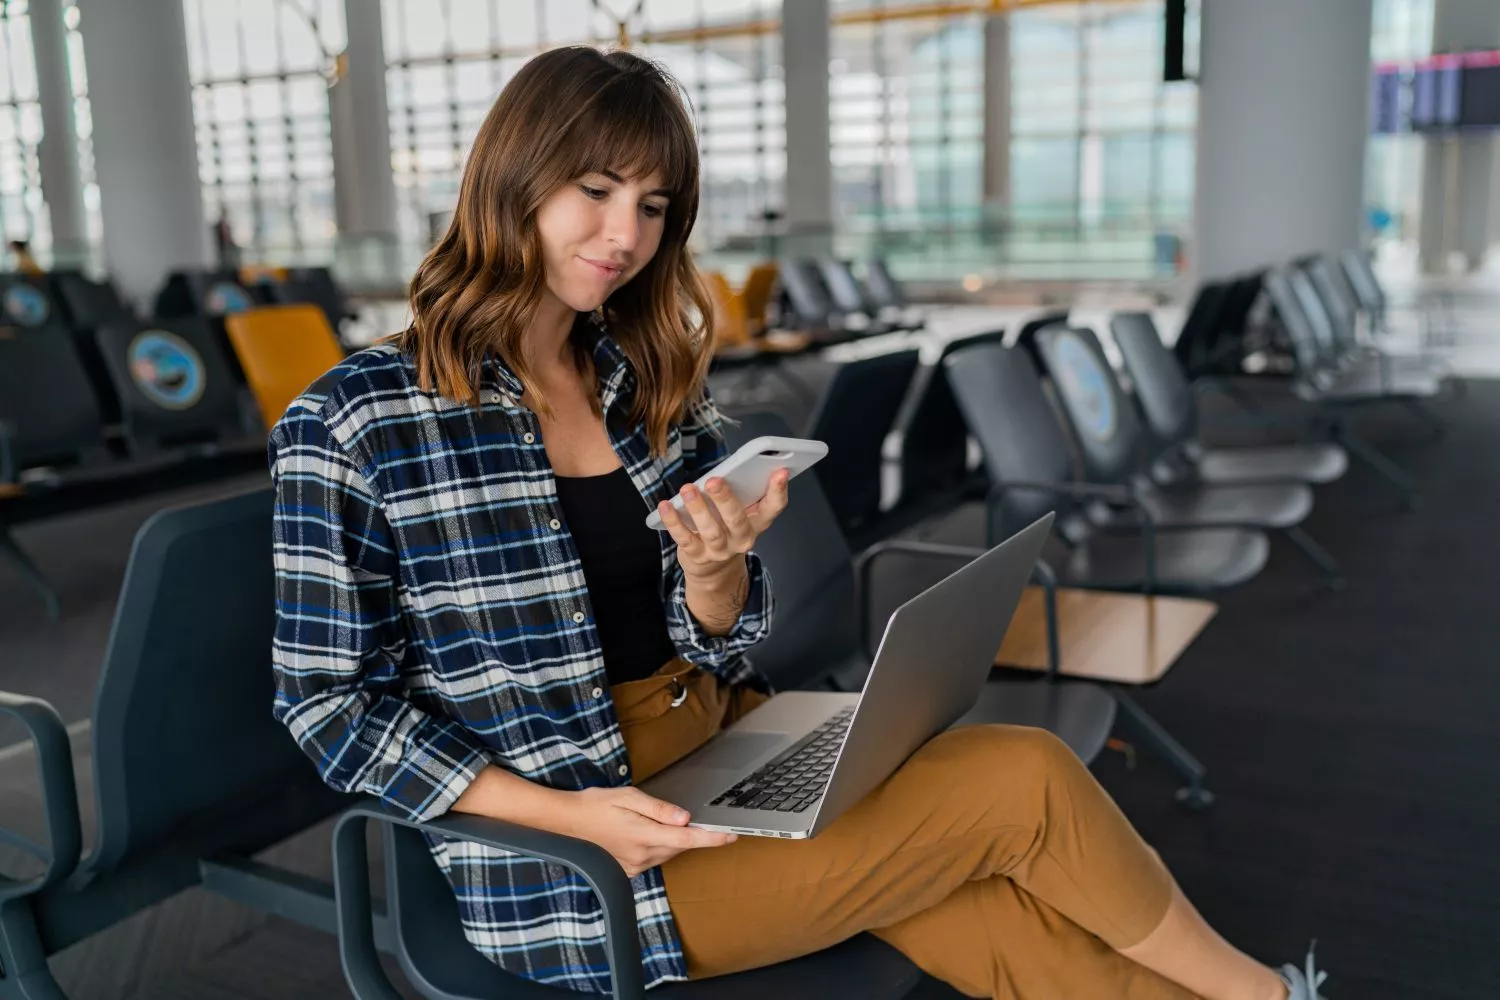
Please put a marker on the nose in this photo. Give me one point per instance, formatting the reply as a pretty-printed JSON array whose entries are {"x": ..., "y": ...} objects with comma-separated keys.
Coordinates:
[{"x": 623, "y": 224}]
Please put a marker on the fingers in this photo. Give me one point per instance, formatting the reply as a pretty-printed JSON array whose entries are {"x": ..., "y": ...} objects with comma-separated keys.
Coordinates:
[
  {"x": 763, "y": 512},
  {"x": 740, "y": 533},
  {"x": 688, "y": 543},
  {"x": 653, "y": 808}
]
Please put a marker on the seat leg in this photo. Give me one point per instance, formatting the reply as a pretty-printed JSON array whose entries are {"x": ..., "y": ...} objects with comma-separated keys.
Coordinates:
[
  {"x": 12, "y": 553},
  {"x": 1333, "y": 577},
  {"x": 1146, "y": 730},
  {"x": 1384, "y": 467},
  {"x": 1434, "y": 422},
  {"x": 24, "y": 974}
]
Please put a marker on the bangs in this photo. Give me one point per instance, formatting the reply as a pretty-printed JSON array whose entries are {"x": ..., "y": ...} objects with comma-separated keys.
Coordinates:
[{"x": 634, "y": 127}]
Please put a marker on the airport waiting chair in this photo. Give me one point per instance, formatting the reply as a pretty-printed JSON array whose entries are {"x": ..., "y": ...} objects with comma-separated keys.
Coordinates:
[
  {"x": 191, "y": 775},
  {"x": 759, "y": 289},
  {"x": 282, "y": 350},
  {"x": 1196, "y": 344},
  {"x": 1026, "y": 337},
  {"x": 312, "y": 286},
  {"x": 1342, "y": 308},
  {"x": 87, "y": 305},
  {"x": 1027, "y": 457},
  {"x": 1026, "y": 454},
  {"x": 1114, "y": 450},
  {"x": 49, "y": 419},
  {"x": 855, "y": 411},
  {"x": 177, "y": 389},
  {"x": 926, "y": 454},
  {"x": 1170, "y": 407},
  {"x": 807, "y": 307},
  {"x": 816, "y": 634},
  {"x": 212, "y": 294},
  {"x": 852, "y": 300},
  {"x": 729, "y": 311}
]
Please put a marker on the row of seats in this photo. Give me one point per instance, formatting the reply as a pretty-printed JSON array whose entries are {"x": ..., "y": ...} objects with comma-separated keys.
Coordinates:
[
  {"x": 1057, "y": 427},
  {"x": 97, "y": 404}
]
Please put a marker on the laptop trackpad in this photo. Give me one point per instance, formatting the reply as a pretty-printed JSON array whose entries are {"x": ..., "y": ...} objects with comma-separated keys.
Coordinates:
[{"x": 733, "y": 750}]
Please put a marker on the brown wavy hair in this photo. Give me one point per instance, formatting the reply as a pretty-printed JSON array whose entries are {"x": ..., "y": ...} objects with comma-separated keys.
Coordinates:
[{"x": 568, "y": 112}]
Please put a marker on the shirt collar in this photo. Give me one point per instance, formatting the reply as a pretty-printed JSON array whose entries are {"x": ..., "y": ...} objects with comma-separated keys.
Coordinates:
[{"x": 612, "y": 368}]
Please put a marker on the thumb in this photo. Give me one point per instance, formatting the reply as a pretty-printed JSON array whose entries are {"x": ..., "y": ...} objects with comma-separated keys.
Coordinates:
[{"x": 655, "y": 809}]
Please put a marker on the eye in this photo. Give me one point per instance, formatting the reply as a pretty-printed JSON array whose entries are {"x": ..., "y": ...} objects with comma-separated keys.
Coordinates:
[
  {"x": 653, "y": 211},
  {"x": 597, "y": 194}
]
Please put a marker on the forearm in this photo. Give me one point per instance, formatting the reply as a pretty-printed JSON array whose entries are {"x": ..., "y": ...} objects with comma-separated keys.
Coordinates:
[
  {"x": 717, "y": 601},
  {"x": 498, "y": 794}
]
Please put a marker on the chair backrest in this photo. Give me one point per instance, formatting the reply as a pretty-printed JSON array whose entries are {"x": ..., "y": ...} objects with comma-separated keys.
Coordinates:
[
  {"x": 729, "y": 311},
  {"x": 1161, "y": 388},
  {"x": 49, "y": 414},
  {"x": 853, "y": 416},
  {"x": 182, "y": 721},
  {"x": 1001, "y": 395},
  {"x": 843, "y": 289},
  {"x": 804, "y": 292},
  {"x": 1294, "y": 320},
  {"x": 934, "y": 438},
  {"x": 1324, "y": 337},
  {"x": 1200, "y": 331},
  {"x": 1026, "y": 338},
  {"x": 1104, "y": 422},
  {"x": 885, "y": 290},
  {"x": 1365, "y": 284},
  {"x": 815, "y": 626},
  {"x": 1244, "y": 293},
  {"x": 760, "y": 285},
  {"x": 202, "y": 293},
  {"x": 88, "y": 304},
  {"x": 1338, "y": 301},
  {"x": 175, "y": 386},
  {"x": 314, "y": 286},
  {"x": 282, "y": 350}
]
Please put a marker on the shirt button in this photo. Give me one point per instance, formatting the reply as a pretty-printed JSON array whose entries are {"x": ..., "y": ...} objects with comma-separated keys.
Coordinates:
[
  {"x": 578, "y": 617},
  {"x": 624, "y": 770},
  {"x": 598, "y": 692},
  {"x": 494, "y": 397},
  {"x": 529, "y": 437},
  {"x": 554, "y": 524}
]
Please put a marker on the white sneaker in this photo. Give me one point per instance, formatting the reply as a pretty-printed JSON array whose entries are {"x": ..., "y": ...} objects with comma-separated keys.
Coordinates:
[{"x": 1302, "y": 984}]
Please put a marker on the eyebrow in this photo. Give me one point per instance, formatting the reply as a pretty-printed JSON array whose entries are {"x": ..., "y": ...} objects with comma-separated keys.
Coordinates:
[{"x": 663, "y": 192}]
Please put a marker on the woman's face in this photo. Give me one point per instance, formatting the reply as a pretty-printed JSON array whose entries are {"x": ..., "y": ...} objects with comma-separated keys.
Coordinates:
[{"x": 597, "y": 232}]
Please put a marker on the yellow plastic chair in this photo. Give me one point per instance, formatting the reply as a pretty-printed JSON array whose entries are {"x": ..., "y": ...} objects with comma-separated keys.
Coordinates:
[
  {"x": 756, "y": 294},
  {"x": 282, "y": 350},
  {"x": 729, "y": 311}
]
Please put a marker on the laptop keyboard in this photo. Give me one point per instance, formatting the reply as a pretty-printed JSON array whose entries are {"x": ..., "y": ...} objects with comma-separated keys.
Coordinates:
[{"x": 796, "y": 779}]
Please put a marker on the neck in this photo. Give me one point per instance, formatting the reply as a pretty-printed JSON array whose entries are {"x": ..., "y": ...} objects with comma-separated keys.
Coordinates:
[{"x": 547, "y": 342}]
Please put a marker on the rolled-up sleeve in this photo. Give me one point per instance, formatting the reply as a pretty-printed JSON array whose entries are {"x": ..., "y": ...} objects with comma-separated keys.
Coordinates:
[
  {"x": 339, "y": 643},
  {"x": 702, "y": 448}
]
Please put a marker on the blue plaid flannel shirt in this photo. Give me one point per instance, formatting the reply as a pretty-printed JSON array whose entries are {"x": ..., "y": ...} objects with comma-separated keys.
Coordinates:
[{"x": 432, "y": 618}]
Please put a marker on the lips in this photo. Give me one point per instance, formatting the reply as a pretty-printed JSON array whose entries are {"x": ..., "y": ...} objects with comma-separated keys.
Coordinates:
[{"x": 605, "y": 269}]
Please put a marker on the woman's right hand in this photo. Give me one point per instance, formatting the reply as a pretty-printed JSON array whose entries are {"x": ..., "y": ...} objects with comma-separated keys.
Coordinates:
[{"x": 640, "y": 832}]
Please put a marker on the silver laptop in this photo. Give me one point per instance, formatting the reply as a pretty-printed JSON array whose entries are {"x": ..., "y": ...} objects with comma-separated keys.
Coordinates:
[{"x": 794, "y": 764}]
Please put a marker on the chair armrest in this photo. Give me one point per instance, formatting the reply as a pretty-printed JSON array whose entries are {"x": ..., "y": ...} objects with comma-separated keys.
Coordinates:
[
  {"x": 54, "y": 757},
  {"x": 1119, "y": 493},
  {"x": 1041, "y": 574},
  {"x": 352, "y": 891}
]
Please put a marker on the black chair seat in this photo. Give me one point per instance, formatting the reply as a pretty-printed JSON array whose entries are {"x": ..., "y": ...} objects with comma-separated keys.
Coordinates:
[
  {"x": 1273, "y": 505},
  {"x": 442, "y": 964},
  {"x": 1308, "y": 463},
  {"x": 1196, "y": 562}
]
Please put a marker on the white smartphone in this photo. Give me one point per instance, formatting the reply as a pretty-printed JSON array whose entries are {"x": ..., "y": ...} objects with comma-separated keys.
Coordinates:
[{"x": 748, "y": 471}]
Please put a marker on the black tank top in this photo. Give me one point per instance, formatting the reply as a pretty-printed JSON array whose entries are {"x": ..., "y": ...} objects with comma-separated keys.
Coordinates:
[{"x": 622, "y": 566}]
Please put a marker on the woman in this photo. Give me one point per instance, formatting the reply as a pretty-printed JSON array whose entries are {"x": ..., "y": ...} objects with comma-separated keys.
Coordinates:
[{"x": 474, "y": 617}]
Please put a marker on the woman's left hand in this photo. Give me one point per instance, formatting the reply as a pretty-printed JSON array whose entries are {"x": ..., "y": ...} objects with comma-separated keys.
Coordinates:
[{"x": 727, "y": 529}]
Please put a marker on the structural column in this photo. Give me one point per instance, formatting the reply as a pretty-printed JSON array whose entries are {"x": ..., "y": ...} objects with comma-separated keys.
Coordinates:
[
  {"x": 809, "y": 166},
  {"x": 145, "y": 150},
  {"x": 365, "y": 188},
  {"x": 1459, "y": 170},
  {"x": 996, "y": 183},
  {"x": 62, "y": 180},
  {"x": 1283, "y": 120}
]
